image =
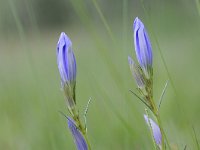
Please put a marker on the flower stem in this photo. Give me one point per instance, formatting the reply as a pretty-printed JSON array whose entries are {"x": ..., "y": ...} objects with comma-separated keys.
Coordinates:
[
  {"x": 82, "y": 130},
  {"x": 164, "y": 137},
  {"x": 157, "y": 115},
  {"x": 161, "y": 129},
  {"x": 87, "y": 141}
]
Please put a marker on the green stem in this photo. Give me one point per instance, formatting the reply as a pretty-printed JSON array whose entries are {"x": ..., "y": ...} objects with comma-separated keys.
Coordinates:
[
  {"x": 164, "y": 137},
  {"x": 157, "y": 115},
  {"x": 82, "y": 130},
  {"x": 161, "y": 129},
  {"x": 87, "y": 141}
]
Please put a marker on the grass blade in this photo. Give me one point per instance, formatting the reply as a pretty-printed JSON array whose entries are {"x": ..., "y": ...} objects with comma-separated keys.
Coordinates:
[
  {"x": 163, "y": 92},
  {"x": 196, "y": 140}
]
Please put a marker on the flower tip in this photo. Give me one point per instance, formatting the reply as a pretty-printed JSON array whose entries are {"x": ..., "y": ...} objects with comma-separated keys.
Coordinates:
[
  {"x": 137, "y": 23},
  {"x": 64, "y": 40},
  {"x": 62, "y": 34},
  {"x": 136, "y": 19}
]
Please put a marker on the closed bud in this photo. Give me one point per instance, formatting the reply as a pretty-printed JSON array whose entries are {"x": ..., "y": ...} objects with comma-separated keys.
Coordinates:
[
  {"x": 67, "y": 67},
  {"x": 77, "y": 135},
  {"x": 155, "y": 130},
  {"x": 143, "y": 47}
]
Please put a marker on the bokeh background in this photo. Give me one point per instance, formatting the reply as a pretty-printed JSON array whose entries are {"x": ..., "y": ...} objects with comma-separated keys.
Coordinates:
[{"x": 101, "y": 32}]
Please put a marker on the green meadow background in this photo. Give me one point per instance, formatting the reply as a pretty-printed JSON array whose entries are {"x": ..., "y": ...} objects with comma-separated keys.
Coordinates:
[{"x": 101, "y": 32}]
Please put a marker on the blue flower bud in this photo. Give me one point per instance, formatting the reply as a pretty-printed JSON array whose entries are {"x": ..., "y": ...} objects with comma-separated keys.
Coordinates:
[
  {"x": 66, "y": 61},
  {"x": 143, "y": 47},
  {"x": 155, "y": 130},
  {"x": 67, "y": 67},
  {"x": 77, "y": 135}
]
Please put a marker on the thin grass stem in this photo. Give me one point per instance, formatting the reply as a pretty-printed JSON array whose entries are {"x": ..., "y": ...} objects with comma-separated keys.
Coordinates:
[
  {"x": 163, "y": 92},
  {"x": 196, "y": 140},
  {"x": 103, "y": 20},
  {"x": 198, "y": 6},
  {"x": 85, "y": 113}
]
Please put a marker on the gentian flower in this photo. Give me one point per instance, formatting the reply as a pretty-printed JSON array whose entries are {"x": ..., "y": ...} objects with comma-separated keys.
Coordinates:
[
  {"x": 67, "y": 67},
  {"x": 77, "y": 135},
  {"x": 143, "y": 47},
  {"x": 155, "y": 130},
  {"x": 66, "y": 60}
]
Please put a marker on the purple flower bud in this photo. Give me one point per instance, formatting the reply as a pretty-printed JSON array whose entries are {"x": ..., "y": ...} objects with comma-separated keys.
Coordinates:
[
  {"x": 77, "y": 135},
  {"x": 155, "y": 129},
  {"x": 136, "y": 71},
  {"x": 66, "y": 61},
  {"x": 142, "y": 47}
]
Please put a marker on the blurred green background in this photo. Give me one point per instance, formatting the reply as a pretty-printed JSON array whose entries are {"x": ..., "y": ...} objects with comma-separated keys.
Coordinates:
[{"x": 101, "y": 32}]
